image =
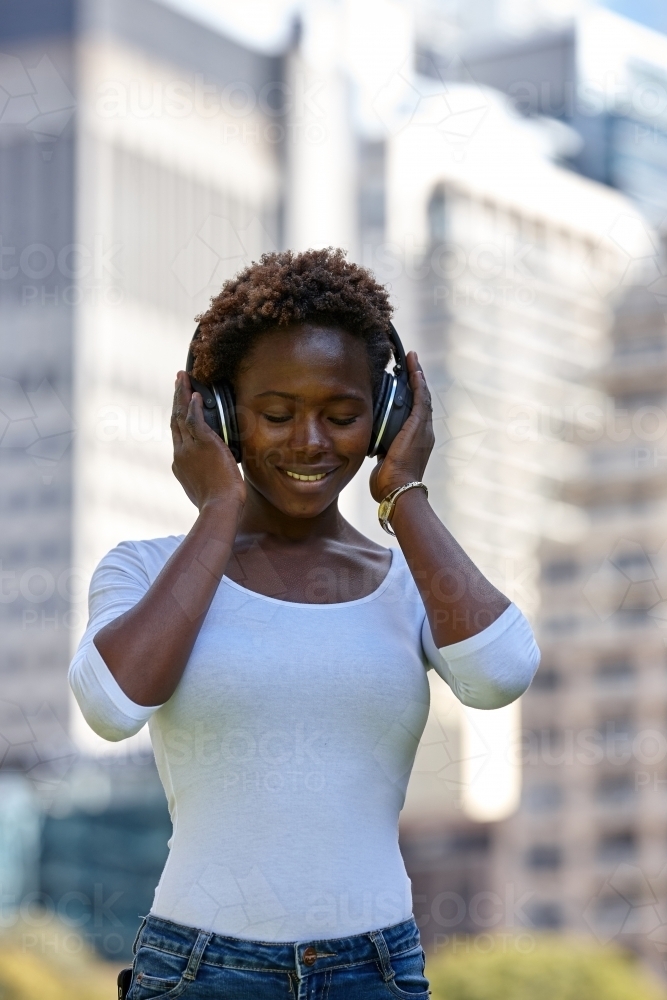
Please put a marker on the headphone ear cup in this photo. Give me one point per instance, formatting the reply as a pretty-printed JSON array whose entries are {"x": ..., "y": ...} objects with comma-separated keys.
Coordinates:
[
  {"x": 228, "y": 406},
  {"x": 380, "y": 410},
  {"x": 396, "y": 411},
  {"x": 211, "y": 415}
]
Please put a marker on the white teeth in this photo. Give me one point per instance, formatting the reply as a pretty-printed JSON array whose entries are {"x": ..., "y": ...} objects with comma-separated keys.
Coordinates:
[{"x": 305, "y": 479}]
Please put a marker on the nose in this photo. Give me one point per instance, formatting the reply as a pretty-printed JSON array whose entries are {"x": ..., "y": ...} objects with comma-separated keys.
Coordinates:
[{"x": 308, "y": 434}]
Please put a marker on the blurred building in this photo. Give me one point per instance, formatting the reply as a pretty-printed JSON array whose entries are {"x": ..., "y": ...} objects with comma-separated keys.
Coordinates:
[
  {"x": 140, "y": 165},
  {"x": 143, "y": 159},
  {"x": 588, "y": 843},
  {"x": 604, "y": 76},
  {"x": 502, "y": 278},
  {"x": 104, "y": 843}
]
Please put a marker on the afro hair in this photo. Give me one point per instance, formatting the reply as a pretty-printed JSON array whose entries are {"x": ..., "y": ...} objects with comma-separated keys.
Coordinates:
[{"x": 284, "y": 289}]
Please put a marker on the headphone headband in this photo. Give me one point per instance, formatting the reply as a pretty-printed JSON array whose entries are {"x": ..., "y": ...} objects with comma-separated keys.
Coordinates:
[{"x": 399, "y": 351}]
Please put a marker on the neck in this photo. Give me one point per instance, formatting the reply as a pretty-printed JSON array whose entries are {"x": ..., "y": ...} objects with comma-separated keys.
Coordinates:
[{"x": 261, "y": 518}]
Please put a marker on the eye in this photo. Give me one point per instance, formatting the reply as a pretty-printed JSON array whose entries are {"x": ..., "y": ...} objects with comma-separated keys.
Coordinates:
[
  {"x": 276, "y": 420},
  {"x": 342, "y": 421}
]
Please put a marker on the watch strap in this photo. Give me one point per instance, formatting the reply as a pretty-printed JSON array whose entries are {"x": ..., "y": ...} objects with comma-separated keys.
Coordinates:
[{"x": 386, "y": 508}]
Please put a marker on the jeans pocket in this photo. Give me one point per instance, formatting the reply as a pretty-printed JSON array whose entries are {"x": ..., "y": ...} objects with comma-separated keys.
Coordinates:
[
  {"x": 408, "y": 981},
  {"x": 158, "y": 974}
]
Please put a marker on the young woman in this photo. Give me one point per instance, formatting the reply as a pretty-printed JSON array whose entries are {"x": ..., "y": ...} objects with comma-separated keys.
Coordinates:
[{"x": 280, "y": 656}]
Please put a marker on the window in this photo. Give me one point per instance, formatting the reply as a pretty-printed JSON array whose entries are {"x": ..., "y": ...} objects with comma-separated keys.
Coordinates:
[
  {"x": 560, "y": 571},
  {"x": 546, "y": 916},
  {"x": 637, "y": 562},
  {"x": 615, "y": 789},
  {"x": 542, "y": 798},
  {"x": 617, "y": 729},
  {"x": 546, "y": 679},
  {"x": 615, "y": 670},
  {"x": 620, "y": 846},
  {"x": 437, "y": 216},
  {"x": 561, "y": 625},
  {"x": 611, "y": 911},
  {"x": 544, "y": 857}
]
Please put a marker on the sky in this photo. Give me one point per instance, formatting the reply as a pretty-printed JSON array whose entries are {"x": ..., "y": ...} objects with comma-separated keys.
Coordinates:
[
  {"x": 652, "y": 13},
  {"x": 262, "y": 24},
  {"x": 266, "y": 24}
]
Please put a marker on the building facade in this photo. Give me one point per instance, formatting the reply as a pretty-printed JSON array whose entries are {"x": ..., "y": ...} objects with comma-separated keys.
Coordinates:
[
  {"x": 603, "y": 75},
  {"x": 141, "y": 165},
  {"x": 588, "y": 842}
]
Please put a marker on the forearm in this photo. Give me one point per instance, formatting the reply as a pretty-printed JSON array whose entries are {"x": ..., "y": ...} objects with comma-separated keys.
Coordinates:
[
  {"x": 459, "y": 600},
  {"x": 146, "y": 649}
]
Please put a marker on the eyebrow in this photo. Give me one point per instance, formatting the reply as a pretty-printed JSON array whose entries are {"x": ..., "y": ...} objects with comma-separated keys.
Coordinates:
[{"x": 331, "y": 399}]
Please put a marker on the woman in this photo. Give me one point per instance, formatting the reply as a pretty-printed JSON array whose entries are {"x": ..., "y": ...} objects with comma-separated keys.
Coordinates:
[{"x": 280, "y": 656}]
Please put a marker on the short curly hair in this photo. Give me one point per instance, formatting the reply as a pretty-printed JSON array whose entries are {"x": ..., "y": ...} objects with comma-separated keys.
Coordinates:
[{"x": 287, "y": 288}]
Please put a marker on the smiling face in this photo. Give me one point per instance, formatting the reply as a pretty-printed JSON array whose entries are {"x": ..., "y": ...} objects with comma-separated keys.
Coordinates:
[{"x": 305, "y": 411}]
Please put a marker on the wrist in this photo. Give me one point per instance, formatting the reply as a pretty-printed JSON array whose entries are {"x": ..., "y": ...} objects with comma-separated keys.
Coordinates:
[
  {"x": 388, "y": 506},
  {"x": 227, "y": 503}
]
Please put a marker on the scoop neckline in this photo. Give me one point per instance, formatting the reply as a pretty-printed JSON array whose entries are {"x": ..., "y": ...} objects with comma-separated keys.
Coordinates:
[{"x": 341, "y": 604}]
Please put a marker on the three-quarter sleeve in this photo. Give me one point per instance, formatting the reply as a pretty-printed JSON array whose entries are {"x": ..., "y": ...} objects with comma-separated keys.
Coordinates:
[
  {"x": 118, "y": 583},
  {"x": 492, "y": 668}
]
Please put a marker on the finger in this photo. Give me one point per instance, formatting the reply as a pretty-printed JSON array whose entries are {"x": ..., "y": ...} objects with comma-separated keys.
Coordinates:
[
  {"x": 182, "y": 397},
  {"x": 422, "y": 397},
  {"x": 176, "y": 435},
  {"x": 194, "y": 423}
]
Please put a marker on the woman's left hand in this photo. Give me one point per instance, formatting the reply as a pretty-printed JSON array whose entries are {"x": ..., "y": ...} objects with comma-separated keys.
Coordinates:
[{"x": 409, "y": 452}]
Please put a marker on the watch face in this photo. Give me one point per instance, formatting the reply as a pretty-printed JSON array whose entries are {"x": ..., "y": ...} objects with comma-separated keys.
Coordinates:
[{"x": 385, "y": 510}]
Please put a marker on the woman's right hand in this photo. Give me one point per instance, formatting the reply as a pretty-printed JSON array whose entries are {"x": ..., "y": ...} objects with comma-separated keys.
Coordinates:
[{"x": 203, "y": 464}]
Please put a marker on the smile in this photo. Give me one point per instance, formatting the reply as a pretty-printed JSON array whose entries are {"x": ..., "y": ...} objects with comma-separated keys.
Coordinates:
[{"x": 305, "y": 479}]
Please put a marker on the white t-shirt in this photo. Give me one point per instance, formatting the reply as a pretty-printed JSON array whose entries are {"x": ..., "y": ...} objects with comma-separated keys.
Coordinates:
[{"x": 285, "y": 750}]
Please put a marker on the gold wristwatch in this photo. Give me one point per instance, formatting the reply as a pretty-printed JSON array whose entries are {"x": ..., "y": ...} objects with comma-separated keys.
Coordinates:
[{"x": 386, "y": 508}]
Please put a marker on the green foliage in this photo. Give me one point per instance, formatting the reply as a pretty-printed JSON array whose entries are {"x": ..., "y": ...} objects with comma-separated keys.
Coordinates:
[{"x": 551, "y": 969}]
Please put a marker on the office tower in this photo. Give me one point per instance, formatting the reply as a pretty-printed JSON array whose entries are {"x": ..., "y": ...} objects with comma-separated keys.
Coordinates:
[
  {"x": 502, "y": 277},
  {"x": 605, "y": 77},
  {"x": 140, "y": 166},
  {"x": 586, "y": 847},
  {"x": 588, "y": 841}
]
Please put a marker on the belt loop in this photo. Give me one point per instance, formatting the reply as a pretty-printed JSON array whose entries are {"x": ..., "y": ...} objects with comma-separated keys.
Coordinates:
[
  {"x": 377, "y": 937},
  {"x": 138, "y": 935},
  {"x": 197, "y": 954}
]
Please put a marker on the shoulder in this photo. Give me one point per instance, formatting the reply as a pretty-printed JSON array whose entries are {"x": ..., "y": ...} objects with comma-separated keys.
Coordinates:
[{"x": 141, "y": 558}]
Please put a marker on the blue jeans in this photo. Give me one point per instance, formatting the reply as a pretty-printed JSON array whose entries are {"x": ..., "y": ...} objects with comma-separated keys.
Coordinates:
[{"x": 172, "y": 960}]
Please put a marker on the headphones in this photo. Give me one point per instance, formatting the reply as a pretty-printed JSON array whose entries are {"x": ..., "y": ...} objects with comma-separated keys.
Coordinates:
[{"x": 392, "y": 407}]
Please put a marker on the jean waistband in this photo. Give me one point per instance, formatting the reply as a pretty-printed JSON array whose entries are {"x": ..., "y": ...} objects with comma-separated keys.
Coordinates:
[{"x": 301, "y": 957}]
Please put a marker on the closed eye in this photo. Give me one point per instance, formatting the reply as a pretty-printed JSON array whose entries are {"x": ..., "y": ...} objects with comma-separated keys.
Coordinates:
[
  {"x": 342, "y": 421},
  {"x": 277, "y": 420}
]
